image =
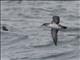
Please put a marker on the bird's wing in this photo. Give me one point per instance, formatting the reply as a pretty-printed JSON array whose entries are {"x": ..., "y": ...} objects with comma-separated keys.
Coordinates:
[{"x": 54, "y": 35}]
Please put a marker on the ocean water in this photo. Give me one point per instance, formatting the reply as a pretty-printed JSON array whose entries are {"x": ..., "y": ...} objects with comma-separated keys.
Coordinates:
[{"x": 27, "y": 40}]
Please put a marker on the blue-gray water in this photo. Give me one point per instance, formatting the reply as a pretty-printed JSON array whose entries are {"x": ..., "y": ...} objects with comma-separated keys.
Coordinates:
[{"x": 27, "y": 40}]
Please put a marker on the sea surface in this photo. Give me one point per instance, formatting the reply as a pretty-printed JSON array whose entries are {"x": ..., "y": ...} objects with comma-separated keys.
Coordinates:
[{"x": 27, "y": 40}]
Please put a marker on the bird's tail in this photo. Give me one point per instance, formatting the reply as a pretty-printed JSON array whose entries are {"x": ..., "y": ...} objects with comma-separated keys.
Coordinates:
[{"x": 55, "y": 42}]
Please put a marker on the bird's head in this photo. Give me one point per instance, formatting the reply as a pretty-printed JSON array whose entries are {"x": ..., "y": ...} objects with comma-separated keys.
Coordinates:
[{"x": 56, "y": 19}]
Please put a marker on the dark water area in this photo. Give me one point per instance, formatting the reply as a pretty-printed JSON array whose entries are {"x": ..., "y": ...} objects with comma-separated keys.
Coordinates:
[{"x": 27, "y": 40}]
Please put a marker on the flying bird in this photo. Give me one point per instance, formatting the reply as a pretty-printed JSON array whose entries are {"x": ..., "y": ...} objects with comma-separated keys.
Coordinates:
[
  {"x": 55, "y": 26},
  {"x": 4, "y": 28}
]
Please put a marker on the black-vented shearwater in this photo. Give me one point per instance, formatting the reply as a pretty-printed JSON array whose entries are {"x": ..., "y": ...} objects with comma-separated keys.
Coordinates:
[{"x": 55, "y": 26}]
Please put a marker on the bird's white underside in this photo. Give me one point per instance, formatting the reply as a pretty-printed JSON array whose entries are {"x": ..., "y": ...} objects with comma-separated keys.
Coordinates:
[{"x": 54, "y": 26}]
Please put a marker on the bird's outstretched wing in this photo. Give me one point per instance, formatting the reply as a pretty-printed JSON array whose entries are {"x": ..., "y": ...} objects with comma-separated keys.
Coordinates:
[{"x": 54, "y": 35}]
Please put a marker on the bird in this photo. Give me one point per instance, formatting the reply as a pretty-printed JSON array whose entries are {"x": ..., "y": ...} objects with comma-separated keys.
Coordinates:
[
  {"x": 55, "y": 26},
  {"x": 4, "y": 28}
]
